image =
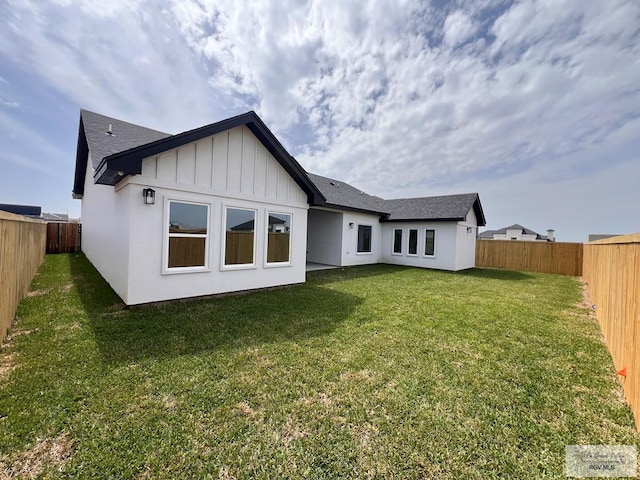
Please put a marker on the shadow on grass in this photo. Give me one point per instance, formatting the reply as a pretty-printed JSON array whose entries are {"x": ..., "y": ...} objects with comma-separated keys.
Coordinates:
[
  {"x": 495, "y": 274},
  {"x": 187, "y": 327},
  {"x": 339, "y": 274}
]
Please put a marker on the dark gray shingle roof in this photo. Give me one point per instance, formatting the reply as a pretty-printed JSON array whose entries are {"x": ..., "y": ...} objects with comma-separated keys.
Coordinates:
[
  {"x": 445, "y": 207},
  {"x": 342, "y": 194},
  {"x": 125, "y": 135}
]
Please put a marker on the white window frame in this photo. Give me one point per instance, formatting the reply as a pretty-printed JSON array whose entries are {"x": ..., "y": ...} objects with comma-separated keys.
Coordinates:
[
  {"x": 266, "y": 239},
  {"x": 435, "y": 242},
  {"x": 242, "y": 266},
  {"x": 358, "y": 235},
  {"x": 166, "y": 270},
  {"x": 417, "y": 230},
  {"x": 393, "y": 241}
]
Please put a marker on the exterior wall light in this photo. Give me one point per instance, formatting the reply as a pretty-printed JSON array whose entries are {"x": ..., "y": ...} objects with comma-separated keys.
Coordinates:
[
  {"x": 149, "y": 195},
  {"x": 469, "y": 229},
  {"x": 351, "y": 224}
]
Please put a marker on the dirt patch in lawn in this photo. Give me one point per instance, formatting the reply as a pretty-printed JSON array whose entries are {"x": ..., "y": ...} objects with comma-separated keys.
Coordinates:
[
  {"x": 7, "y": 363},
  {"x": 50, "y": 452}
]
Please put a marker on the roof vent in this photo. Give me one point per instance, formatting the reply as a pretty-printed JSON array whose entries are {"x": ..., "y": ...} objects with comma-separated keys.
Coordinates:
[
  {"x": 110, "y": 131},
  {"x": 334, "y": 184}
]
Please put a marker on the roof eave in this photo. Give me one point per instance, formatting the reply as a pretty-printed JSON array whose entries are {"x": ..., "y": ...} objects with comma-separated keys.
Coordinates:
[
  {"x": 443, "y": 219},
  {"x": 351, "y": 209},
  {"x": 129, "y": 162},
  {"x": 82, "y": 157}
]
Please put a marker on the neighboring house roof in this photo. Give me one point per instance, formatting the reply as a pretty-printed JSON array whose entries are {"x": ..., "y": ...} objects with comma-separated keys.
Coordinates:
[
  {"x": 445, "y": 207},
  {"x": 503, "y": 231},
  {"x": 342, "y": 195},
  {"x": 55, "y": 217},
  {"x": 26, "y": 210},
  {"x": 117, "y": 159}
]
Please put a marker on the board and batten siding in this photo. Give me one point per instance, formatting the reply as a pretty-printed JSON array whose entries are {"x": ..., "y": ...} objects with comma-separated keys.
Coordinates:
[
  {"x": 230, "y": 169},
  {"x": 233, "y": 163}
]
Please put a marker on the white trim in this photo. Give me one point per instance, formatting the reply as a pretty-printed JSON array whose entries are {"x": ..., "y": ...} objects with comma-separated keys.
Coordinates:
[
  {"x": 370, "y": 252},
  {"x": 266, "y": 239},
  {"x": 240, "y": 266},
  {"x": 417, "y": 230},
  {"x": 393, "y": 241},
  {"x": 435, "y": 242},
  {"x": 196, "y": 189},
  {"x": 165, "y": 269}
]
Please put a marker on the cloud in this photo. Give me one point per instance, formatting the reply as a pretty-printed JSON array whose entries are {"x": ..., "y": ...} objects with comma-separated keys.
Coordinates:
[
  {"x": 399, "y": 97},
  {"x": 458, "y": 28},
  {"x": 8, "y": 103}
]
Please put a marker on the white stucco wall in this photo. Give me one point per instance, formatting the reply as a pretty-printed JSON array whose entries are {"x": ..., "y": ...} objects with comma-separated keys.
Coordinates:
[
  {"x": 324, "y": 237},
  {"x": 349, "y": 254},
  {"x": 105, "y": 231},
  {"x": 445, "y": 245},
  {"x": 230, "y": 169},
  {"x": 466, "y": 233}
]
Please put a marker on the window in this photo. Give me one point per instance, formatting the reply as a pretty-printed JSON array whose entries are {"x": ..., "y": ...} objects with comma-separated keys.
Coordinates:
[
  {"x": 239, "y": 242},
  {"x": 364, "y": 239},
  {"x": 413, "y": 242},
  {"x": 397, "y": 241},
  {"x": 429, "y": 242},
  {"x": 278, "y": 238},
  {"x": 187, "y": 235}
]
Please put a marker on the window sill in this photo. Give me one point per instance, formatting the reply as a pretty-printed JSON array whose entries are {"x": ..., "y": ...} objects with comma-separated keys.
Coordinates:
[
  {"x": 277, "y": 264},
  {"x": 230, "y": 268},
  {"x": 364, "y": 253},
  {"x": 179, "y": 270}
]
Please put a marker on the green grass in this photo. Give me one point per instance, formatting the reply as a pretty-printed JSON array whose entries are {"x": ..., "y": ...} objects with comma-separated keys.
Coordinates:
[{"x": 374, "y": 371}]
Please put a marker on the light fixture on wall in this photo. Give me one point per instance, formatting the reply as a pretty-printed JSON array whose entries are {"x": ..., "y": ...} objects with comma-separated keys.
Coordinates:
[
  {"x": 469, "y": 229},
  {"x": 351, "y": 224},
  {"x": 149, "y": 195}
]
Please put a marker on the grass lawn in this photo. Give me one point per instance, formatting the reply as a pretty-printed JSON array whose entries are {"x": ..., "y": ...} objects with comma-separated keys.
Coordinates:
[{"x": 375, "y": 371}]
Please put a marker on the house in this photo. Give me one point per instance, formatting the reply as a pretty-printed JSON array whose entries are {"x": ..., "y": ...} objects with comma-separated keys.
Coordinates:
[
  {"x": 26, "y": 210},
  {"x": 225, "y": 208},
  {"x": 34, "y": 212},
  {"x": 517, "y": 232},
  {"x": 594, "y": 237}
]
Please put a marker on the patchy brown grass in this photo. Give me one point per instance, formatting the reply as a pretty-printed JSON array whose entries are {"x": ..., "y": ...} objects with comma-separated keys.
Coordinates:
[
  {"x": 7, "y": 364},
  {"x": 46, "y": 453}
]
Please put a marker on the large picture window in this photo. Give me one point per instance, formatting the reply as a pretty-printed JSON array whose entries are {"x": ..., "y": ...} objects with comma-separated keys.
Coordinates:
[
  {"x": 364, "y": 238},
  {"x": 397, "y": 241},
  {"x": 278, "y": 238},
  {"x": 239, "y": 236},
  {"x": 429, "y": 243},
  {"x": 413, "y": 242},
  {"x": 187, "y": 235}
]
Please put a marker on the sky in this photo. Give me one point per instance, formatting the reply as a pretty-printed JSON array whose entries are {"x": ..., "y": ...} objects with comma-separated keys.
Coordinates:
[{"x": 535, "y": 105}]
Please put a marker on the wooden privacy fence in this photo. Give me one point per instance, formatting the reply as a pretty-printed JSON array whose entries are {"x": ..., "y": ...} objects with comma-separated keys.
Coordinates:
[
  {"x": 611, "y": 270},
  {"x": 63, "y": 237},
  {"x": 545, "y": 257},
  {"x": 22, "y": 247}
]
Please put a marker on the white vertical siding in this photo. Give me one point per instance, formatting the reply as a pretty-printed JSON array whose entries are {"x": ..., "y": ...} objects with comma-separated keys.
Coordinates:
[
  {"x": 204, "y": 165},
  {"x": 232, "y": 163},
  {"x": 220, "y": 160}
]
